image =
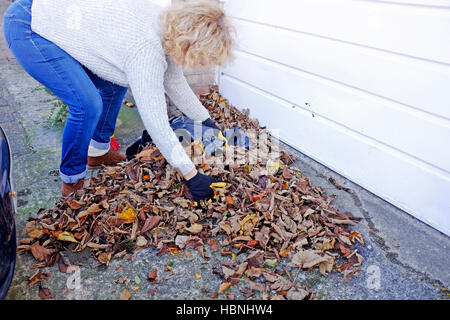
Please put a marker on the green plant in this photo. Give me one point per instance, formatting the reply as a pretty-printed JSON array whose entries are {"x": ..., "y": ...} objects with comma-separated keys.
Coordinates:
[
  {"x": 40, "y": 88},
  {"x": 58, "y": 114}
]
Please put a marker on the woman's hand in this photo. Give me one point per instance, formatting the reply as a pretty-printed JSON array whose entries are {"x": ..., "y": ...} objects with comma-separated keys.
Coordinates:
[
  {"x": 191, "y": 174},
  {"x": 199, "y": 186},
  {"x": 210, "y": 123}
]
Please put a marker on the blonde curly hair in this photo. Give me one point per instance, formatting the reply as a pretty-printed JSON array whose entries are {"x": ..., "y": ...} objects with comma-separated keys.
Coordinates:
[{"x": 196, "y": 32}]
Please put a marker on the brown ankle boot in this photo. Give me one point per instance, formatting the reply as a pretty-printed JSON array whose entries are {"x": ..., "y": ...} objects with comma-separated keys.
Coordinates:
[
  {"x": 68, "y": 188},
  {"x": 112, "y": 157}
]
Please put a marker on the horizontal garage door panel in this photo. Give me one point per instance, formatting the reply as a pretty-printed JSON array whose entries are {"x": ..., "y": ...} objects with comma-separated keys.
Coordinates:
[
  {"x": 411, "y": 30},
  {"x": 399, "y": 179},
  {"x": 413, "y": 132},
  {"x": 433, "y": 3},
  {"x": 417, "y": 83}
]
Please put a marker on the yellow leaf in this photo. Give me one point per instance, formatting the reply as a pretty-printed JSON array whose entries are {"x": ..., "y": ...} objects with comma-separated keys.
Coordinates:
[
  {"x": 285, "y": 252},
  {"x": 272, "y": 166},
  {"x": 198, "y": 276},
  {"x": 218, "y": 185},
  {"x": 328, "y": 245},
  {"x": 248, "y": 223},
  {"x": 271, "y": 262},
  {"x": 221, "y": 137},
  {"x": 128, "y": 214},
  {"x": 66, "y": 236},
  {"x": 226, "y": 227},
  {"x": 197, "y": 146}
]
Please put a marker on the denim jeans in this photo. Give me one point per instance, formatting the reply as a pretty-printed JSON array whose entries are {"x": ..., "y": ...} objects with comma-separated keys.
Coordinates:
[{"x": 93, "y": 102}]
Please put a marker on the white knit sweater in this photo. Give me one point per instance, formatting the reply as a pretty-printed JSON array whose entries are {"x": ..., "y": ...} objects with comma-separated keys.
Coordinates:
[{"x": 119, "y": 40}]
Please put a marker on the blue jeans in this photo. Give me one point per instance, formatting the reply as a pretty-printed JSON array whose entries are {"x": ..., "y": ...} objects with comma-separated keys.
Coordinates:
[{"x": 93, "y": 103}]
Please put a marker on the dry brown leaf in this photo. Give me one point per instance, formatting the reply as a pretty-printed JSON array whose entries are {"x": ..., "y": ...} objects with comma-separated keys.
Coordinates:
[
  {"x": 326, "y": 266},
  {"x": 66, "y": 236},
  {"x": 226, "y": 227},
  {"x": 37, "y": 277},
  {"x": 30, "y": 226},
  {"x": 40, "y": 253},
  {"x": 228, "y": 272},
  {"x": 141, "y": 242},
  {"x": 195, "y": 228},
  {"x": 121, "y": 280},
  {"x": 255, "y": 259},
  {"x": 36, "y": 233},
  {"x": 73, "y": 204},
  {"x": 126, "y": 295},
  {"x": 104, "y": 258},
  {"x": 180, "y": 241},
  {"x": 296, "y": 294},
  {"x": 97, "y": 246},
  {"x": 257, "y": 286},
  {"x": 224, "y": 286},
  {"x": 151, "y": 277},
  {"x": 306, "y": 259},
  {"x": 342, "y": 221},
  {"x": 150, "y": 223},
  {"x": 266, "y": 209},
  {"x": 326, "y": 244},
  {"x": 45, "y": 293}
]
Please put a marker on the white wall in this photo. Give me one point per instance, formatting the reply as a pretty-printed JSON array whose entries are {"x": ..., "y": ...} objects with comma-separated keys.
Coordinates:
[
  {"x": 360, "y": 86},
  {"x": 162, "y": 3}
]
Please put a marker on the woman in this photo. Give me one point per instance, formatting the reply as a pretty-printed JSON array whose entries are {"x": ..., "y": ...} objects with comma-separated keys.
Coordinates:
[{"x": 89, "y": 52}]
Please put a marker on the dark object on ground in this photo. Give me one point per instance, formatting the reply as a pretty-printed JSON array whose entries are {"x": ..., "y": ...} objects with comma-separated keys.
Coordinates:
[
  {"x": 68, "y": 188},
  {"x": 199, "y": 186},
  {"x": 209, "y": 123},
  {"x": 138, "y": 145},
  {"x": 7, "y": 224},
  {"x": 187, "y": 131},
  {"x": 111, "y": 158}
]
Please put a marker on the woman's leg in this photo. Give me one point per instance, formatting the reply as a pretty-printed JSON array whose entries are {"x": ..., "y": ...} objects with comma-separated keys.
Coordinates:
[
  {"x": 112, "y": 97},
  {"x": 65, "y": 77}
]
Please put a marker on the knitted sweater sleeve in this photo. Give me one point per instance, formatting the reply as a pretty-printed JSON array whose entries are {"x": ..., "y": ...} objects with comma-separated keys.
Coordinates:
[
  {"x": 145, "y": 68},
  {"x": 182, "y": 95}
]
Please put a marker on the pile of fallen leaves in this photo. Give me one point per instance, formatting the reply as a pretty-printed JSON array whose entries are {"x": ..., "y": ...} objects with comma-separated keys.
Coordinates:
[{"x": 267, "y": 210}]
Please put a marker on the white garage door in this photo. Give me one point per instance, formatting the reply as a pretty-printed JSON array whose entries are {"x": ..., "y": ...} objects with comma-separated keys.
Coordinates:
[{"x": 360, "y": 86}]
